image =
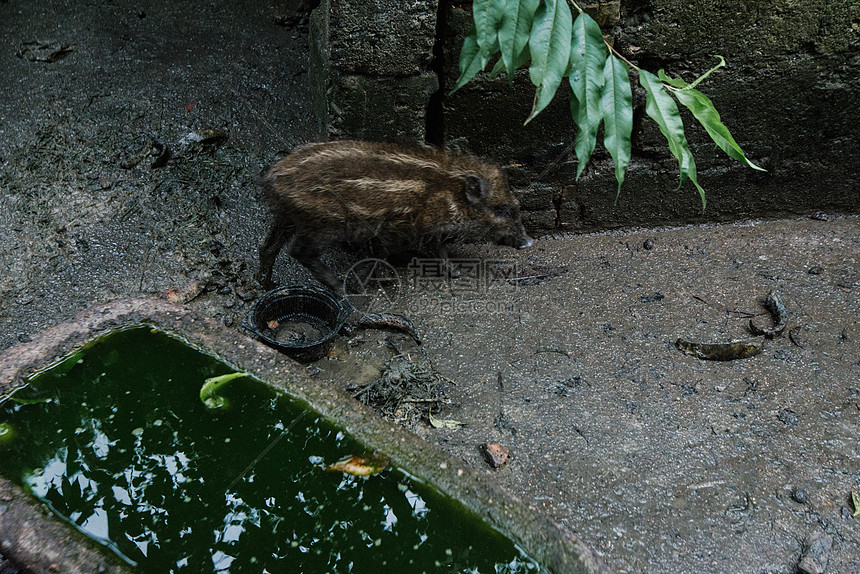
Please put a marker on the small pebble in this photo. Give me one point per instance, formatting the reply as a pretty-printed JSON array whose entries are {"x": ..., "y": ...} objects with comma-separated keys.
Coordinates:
[
  {"x": 816, "y": 549},
  {"x": 800, "y": 495},
  {"x": 649, "y": 244},
  {"x": 495, "y": 454},
  {"x": 245, "y": 294}
]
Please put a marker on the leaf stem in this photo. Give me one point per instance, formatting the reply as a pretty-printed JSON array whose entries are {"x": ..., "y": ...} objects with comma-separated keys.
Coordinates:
[
  {"x": 708, "y": 73},
  {"x": 575, "y": 5},
  {"x": 617, "y": 53}
]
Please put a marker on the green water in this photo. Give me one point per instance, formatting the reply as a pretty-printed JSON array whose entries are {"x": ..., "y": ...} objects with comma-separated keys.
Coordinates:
[{"x": 117, "y": 441}]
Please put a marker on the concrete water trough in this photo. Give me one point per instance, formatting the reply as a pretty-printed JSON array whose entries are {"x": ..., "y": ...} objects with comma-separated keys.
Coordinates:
[{"x": 36, "y": 540}]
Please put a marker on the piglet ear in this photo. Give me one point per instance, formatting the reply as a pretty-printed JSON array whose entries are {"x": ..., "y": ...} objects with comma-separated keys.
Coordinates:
[{"x": 476, "y": 189}]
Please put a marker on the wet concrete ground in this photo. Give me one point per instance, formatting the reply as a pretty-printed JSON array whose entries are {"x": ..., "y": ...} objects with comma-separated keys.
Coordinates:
[
  {"x": 661, "y": 462},
  {"x": 664, "y": 462}
]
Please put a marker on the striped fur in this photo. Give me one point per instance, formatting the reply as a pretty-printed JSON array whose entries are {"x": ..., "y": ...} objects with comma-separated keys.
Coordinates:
[{"x": 395, "y": 197}]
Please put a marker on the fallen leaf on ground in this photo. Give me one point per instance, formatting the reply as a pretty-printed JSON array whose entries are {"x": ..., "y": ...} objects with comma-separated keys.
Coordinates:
[{"x": 444, "y": 423}]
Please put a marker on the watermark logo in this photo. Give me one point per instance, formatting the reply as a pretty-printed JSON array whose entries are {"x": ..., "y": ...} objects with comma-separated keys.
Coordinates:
[
  {"x": 446, "y": 285},
  {"x": 463, "y": 276},
  {"x": 455, "y": 306},
  {"x": 372, "y": 284}
]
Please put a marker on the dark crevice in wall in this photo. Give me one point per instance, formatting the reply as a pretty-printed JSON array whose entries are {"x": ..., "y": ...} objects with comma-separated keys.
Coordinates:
[
  {"x": 435, "y": 120},
  {"x": 557, "y": 203}
]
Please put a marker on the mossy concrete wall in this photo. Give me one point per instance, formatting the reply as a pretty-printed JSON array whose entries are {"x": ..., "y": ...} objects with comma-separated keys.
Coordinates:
[
  {"x": 790, "y": 96},
  {"x": 370, "y": 68}
]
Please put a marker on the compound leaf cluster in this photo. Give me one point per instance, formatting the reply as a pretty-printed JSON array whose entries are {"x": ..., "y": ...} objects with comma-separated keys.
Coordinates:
[{"x": 544, "y": 34}]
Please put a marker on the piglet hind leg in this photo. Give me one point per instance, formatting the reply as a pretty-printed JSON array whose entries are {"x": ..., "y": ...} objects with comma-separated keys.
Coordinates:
[
  {"x": 308, "y": 255},
  {"x": 275, "y": 241}
]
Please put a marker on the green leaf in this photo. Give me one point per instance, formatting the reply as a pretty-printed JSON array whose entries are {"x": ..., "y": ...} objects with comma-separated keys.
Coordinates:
[
  {"x": 617, "y": 105},
  {"x": 677, "y": 82},
  {"x": 587, "y": 59},
  {"x": 704, "y": 111},
  {"x": 549, "y": 45},
  {"x": 514, "y": 32},
  {"x": 663, "y": 110},
  {"x": 488, "y": 15},
  {"x": 470, "y": 60},
  {"x": 209, "y": 391},
  {"x": 499, "y": 66}
]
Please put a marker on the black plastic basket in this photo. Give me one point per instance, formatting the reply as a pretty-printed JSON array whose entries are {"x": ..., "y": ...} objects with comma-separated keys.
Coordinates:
[{"x": 299, "y": 320}]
